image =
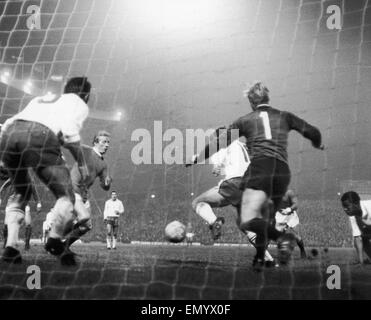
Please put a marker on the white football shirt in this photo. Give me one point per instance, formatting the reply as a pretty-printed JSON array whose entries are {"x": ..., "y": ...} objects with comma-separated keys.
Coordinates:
[
  {"x": 366, "y": 218},
  {"x": 63, "y": 115},
  {"x": 112, "y": 207},
  {"x": 233, "y": 160}
]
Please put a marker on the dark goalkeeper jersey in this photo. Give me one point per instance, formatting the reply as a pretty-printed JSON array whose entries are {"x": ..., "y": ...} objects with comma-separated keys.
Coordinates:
[{"x": 266, "y": 131}]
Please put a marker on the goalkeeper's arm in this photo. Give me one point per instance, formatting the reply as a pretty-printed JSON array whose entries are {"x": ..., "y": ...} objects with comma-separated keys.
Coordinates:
[{"x": 217, "y": 141}]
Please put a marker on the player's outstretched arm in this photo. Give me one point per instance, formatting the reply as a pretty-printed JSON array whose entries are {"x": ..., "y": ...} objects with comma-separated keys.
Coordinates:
[
  {"x": 215, "y": 144},
  {"x": 306, "y": 130}
]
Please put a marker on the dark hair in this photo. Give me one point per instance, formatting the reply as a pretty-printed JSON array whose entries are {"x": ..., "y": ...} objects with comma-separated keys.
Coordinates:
[
  {"x": 258, "y": 93},
  {"x": 113, "y": 191},
  {"x": 101, "y": 133},
  {"x": 80, "y": 86},
  {"x": 351, "y": 196}
]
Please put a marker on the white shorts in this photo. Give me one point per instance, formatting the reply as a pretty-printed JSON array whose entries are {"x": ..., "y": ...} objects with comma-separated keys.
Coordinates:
[{"x": 286, "y": 221}]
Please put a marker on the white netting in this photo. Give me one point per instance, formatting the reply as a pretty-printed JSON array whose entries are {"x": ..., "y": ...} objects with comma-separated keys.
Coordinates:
[{"x": 185, "y": 63}]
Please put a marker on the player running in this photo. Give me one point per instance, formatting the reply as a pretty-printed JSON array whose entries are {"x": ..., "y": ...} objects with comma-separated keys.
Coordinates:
[
  {"x": 231, "y": 163},
  {"x": 266, "y": 131},
  {"x": 359, "y": 212},
  {"x": 33, "y": 139},
  {"x": 287, "y": 218},
  {"x": 96, "y": 168}
]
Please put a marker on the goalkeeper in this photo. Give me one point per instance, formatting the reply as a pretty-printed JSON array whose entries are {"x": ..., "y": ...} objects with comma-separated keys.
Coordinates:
[{"x": 287, "y": 218}]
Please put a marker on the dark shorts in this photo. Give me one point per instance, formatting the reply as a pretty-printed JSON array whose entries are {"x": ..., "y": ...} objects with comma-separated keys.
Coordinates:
[
  {"x": 27, "y": 144},
  {"x": 30, "y": 144},
  {"x": 113, "y": 221},
  {"x": 231, "y": 190},
  {"x": 269, "y": 175},
  {"x": 366, "y": 232}
]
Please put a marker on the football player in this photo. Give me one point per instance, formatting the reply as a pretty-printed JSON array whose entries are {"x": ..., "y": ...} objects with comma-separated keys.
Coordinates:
[
  {"x": 266, "y": 131},
  {"x": 287, "y": 218},
  {"x": 33, "y": 139},
  {"x": 113, "y": 208},
  {"x": 96, "y": 168},
  {"x": 231, "y": 163},
  {"x": 359, "y": 212}
]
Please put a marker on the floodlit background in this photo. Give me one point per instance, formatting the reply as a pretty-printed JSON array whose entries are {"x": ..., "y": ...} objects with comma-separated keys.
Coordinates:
[{"x": 185, "y": 63}]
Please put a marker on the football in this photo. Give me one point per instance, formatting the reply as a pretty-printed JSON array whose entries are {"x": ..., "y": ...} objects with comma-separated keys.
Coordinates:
[{"x": 175, "y": 231}]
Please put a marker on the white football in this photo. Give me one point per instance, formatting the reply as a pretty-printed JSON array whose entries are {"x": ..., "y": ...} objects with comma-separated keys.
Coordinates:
[{"x": 175, "y": 231}]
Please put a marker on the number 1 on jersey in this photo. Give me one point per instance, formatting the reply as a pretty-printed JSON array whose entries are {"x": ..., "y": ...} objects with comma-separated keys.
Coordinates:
[{"x": 266, "y": 125}]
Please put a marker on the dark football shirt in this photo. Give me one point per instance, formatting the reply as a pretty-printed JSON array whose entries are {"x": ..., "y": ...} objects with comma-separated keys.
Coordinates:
[
  {"x": 266, "y": 131},
  {"x": 97, "y": 167}
]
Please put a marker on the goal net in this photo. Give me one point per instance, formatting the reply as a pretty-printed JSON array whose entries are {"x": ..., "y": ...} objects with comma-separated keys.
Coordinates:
[{"x": 165, "y": 66}]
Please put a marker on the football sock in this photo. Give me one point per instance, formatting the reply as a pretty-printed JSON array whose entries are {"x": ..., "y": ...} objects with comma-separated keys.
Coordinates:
[
  {"x": 28, "y": 233},
  {"x": 301, "y": 245},
  {"x": 71, "y": 240},
  {"x": 76, "y": 234},
  {"x": 204, "y": 210},
  {"x": 5, "y": 234},
  {"x": 108, "y": 242},
  {"x": 14, "y": 218},
  {"x": 252, "y": 238},
  {"x": 264, "y": 231},
  {"x": 113, "y": 242}
]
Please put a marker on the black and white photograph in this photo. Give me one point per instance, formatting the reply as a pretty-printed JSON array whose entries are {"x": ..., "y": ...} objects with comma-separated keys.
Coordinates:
[{"x": 203, "y": 151}]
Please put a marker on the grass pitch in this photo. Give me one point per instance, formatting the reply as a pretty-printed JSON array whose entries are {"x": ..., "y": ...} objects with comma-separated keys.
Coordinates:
[{"x": 180, "y": 272}]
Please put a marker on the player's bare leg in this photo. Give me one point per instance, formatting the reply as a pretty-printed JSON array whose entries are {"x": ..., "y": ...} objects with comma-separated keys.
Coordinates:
[
  {"x": 203, "y": 205},
  {"x": 255, "y": 218},
  {"x": 5, "y": 234}
]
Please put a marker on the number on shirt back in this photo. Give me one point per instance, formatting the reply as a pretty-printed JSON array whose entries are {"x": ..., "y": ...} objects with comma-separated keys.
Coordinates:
[{"x": 266, "y": 125}]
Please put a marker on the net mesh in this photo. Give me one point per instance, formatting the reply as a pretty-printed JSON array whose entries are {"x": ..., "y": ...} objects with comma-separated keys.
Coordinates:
[{"x": 185, "y": 63}]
